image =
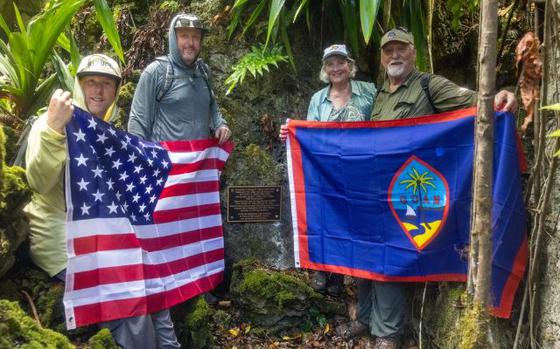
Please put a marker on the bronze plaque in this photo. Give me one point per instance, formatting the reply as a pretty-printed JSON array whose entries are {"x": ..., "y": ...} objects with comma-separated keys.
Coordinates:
[{"x": 254, "y": 204}]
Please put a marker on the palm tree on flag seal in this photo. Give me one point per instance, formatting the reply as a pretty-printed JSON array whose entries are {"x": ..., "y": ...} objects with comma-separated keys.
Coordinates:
[{"x": 418, "y": 183}]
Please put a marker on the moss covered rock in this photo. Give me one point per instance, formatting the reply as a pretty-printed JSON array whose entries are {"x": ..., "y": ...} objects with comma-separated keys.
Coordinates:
[
  {"x": 14, "y": 194},
  {"x": 197, "y": 332},
  {"x": 102, "y": 340},
  {"x": 274, "y": 300},
  {"x": 17, "y": 330}
]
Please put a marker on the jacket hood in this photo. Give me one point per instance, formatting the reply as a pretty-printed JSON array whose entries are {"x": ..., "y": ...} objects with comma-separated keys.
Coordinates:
[{"x": 174, "y": 53}]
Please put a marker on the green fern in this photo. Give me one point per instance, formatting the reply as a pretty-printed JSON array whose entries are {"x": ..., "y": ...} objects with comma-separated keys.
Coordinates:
[{"x": 256, "y": 62}]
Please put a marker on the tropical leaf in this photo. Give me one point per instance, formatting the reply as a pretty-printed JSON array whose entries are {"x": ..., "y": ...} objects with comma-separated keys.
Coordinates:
[
  {"x": 254, "y": 16},
  {"x": 24, "y": 54},
  {"x": 413, "y": 16},
  {"x": 64, "y": 42},
  {"x": 555, "y": 107},
  {"x": 286, "y": 41},
  {"x": 75, "y": 56},
  {"x": 19, "y": 19},
  {"x": 105, "y": 18},
  {"x": 42, "y": 94},
  {"x": 276, "y": 6},
  {"x": 44, "y": 30},
  {"x": 239, "y": 3},
  {"x": 350, "y": 22},
  {"x": 63, "y": 74},
  {"x": 368, "y": 15},
  {"x": 5, "y": 26},
  {"x": 301, "y": 6},
  {"x": 255, "y": 62}
]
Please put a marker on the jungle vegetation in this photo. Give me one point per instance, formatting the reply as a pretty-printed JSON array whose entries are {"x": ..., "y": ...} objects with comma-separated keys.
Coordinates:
[{"x": 40, "y": 51}]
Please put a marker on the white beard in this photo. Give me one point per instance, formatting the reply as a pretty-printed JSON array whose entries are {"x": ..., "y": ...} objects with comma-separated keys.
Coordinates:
[{"x": 395, "y": 71}]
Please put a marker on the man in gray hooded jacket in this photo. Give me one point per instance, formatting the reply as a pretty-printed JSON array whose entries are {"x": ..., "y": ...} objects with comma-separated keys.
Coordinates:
[{"x": 173, "y": 99}]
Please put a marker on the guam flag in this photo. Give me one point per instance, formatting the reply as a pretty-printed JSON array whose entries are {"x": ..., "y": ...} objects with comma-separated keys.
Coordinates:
[{"x": 391, "y": 200}]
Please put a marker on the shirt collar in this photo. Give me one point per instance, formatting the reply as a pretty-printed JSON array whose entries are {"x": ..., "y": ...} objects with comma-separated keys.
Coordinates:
[{"x": 354, "y": 86}]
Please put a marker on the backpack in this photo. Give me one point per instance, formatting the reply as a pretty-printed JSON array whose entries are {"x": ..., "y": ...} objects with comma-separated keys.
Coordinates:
[
  {"x": 21, "y": 145},
  {"x": 425, "y": 83},
  {"x": 170, "y": 77}
]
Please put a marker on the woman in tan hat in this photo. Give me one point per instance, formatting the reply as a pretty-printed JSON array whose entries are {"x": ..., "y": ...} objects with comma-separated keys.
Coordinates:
[{"x": 343, "y": 99}]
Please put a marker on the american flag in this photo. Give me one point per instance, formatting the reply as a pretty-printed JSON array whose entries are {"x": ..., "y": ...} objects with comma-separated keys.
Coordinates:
[{"x": 144, "y": 227}]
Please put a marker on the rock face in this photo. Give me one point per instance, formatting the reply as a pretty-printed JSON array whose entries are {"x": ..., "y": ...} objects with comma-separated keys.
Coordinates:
[
  {"x": 254, "y": 112},
  {"x": 14, "y": 194},
  {"x": 17, "y": 330}
]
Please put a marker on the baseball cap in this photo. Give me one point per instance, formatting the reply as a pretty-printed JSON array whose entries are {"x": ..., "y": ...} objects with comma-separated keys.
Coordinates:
[
  {"x": 98, "y": 64},
  {"x": 336, "y": 50},
  {"x": 189, "y": 20},
  {"x": 397, "y": 34}
]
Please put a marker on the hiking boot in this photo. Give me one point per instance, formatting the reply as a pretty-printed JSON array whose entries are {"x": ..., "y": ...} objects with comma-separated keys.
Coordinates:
[
  {"x": 386, "y": 343},
  {"x": 210, "y": 298},
  {"x": 319, "y": 281},
  {"x": 351, "y": 330}
]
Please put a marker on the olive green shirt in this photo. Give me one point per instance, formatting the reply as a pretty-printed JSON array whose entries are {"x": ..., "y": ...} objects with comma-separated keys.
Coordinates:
[{"x": 409, "y": 100}]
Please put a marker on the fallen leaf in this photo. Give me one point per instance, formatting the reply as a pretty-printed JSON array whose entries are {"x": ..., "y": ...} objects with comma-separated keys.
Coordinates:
[
  {"x": 224, "y": 304},
  {"x": 234, "y": 331}
]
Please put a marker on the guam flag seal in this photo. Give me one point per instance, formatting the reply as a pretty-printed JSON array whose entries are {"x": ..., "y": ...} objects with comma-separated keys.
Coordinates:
[
  {"x": 391, "y": 200},
  {"x": 419, "y": 200}
]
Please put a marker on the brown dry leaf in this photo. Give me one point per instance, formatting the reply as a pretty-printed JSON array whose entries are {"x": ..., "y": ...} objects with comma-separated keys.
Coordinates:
[
  {"x": 504, "y": 11},
  {"x": 291, "y": 338},
  {"x": 528, "y": 58},
  {"x": 222, "y": 16},
  {"x": 269, "y": 128}
]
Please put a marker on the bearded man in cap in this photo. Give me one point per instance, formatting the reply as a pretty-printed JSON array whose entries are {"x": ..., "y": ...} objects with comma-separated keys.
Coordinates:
[
  {"x": 407, "y": 93},
  {"x": 96, "y": 87}
]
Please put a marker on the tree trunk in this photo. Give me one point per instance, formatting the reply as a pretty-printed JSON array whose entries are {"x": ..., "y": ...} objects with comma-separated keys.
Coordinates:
[
  {"x": 482, "y": 195},
  {"x": 481, "y": 222}
]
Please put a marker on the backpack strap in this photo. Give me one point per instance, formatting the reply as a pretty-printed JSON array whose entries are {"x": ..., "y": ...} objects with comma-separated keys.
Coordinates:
[
  {"x": 21, "y": 145},
  {"x": 168, "y": 78},
  {"x": 203, "y": 68},
  {"x": 425, "y": 83}
]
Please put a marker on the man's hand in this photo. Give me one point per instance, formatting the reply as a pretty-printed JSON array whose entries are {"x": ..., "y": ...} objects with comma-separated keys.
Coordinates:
[
  {"x": 60, "y": 110},
  {"x": 505, "y": 101},
  {"x": 283, "y": 132},
  {"x": 222, "y": 133}
]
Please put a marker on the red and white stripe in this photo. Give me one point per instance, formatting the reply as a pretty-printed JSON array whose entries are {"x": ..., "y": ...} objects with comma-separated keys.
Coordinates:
[{"x": 117, "y": 270}]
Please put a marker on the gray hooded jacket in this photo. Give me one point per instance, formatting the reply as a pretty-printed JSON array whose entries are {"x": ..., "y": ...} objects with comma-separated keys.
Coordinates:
[{"x": 186, "y": 111}]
